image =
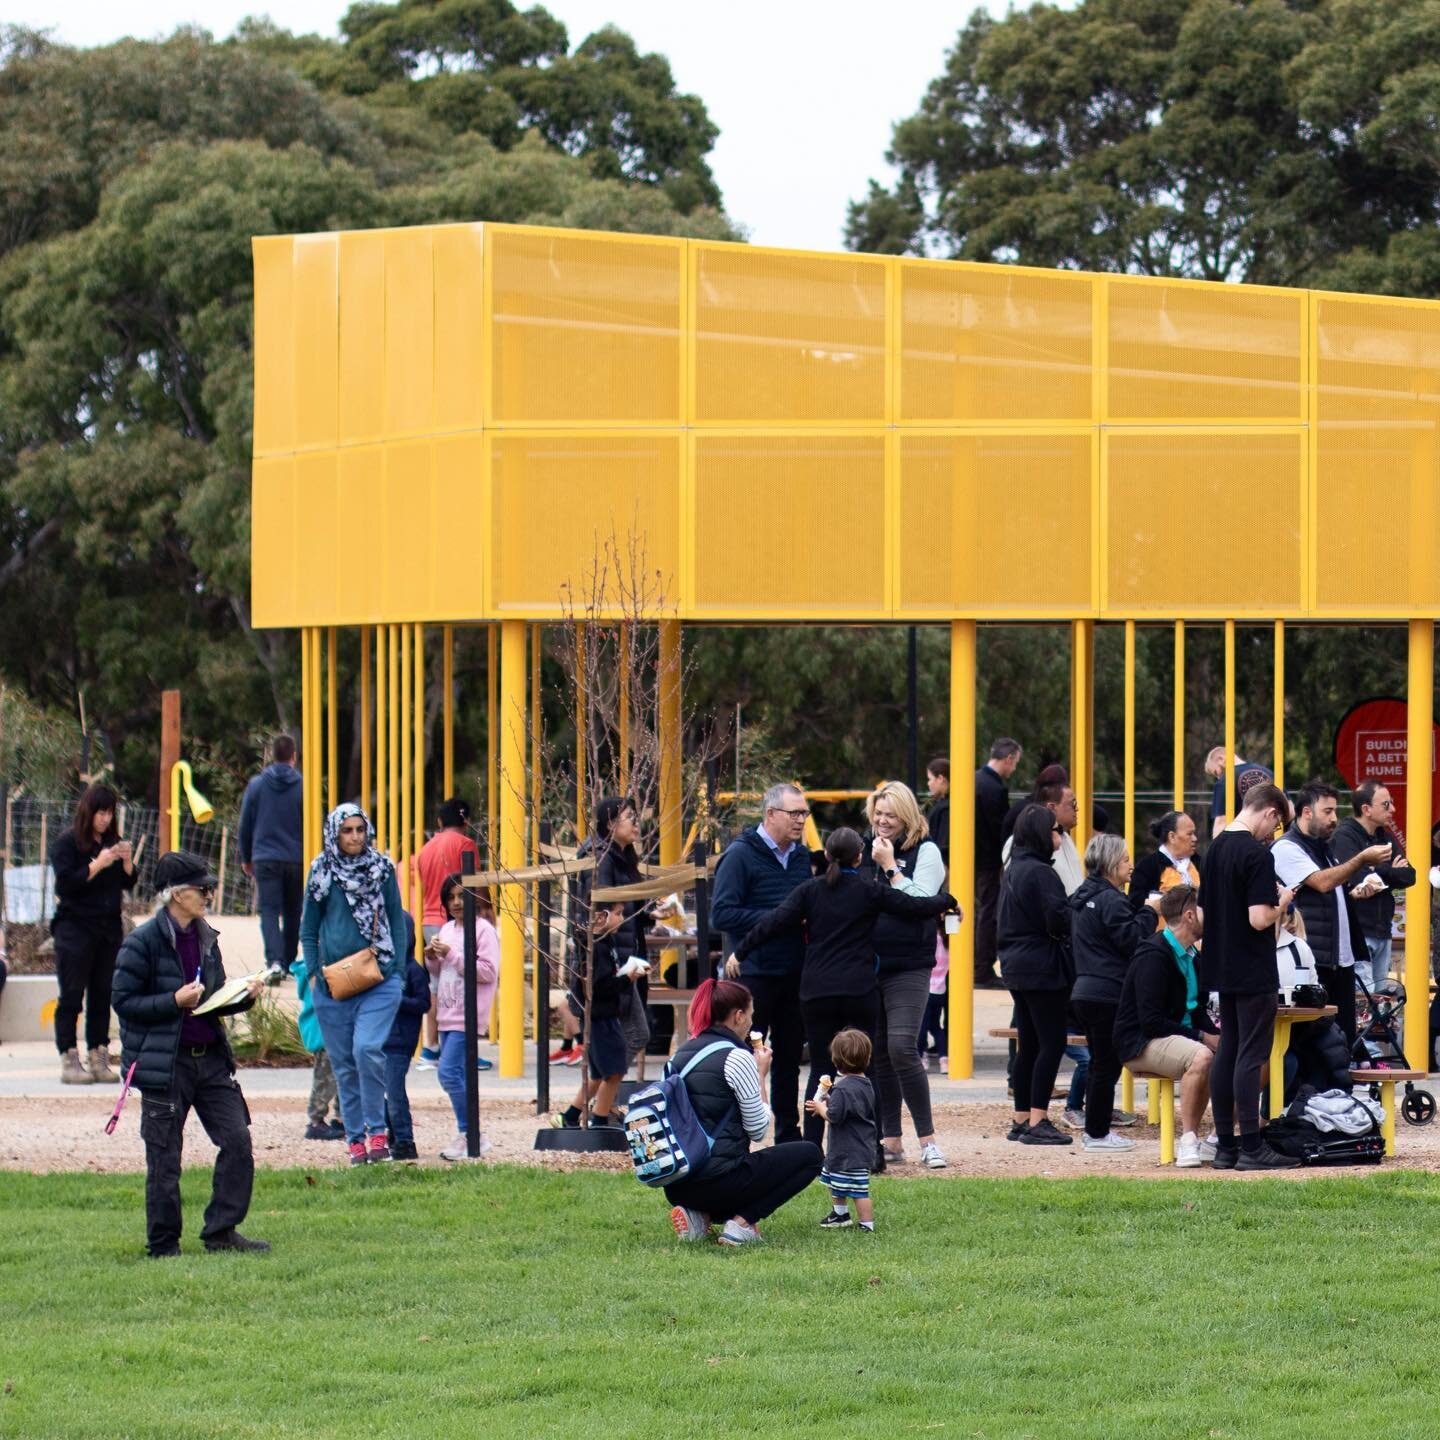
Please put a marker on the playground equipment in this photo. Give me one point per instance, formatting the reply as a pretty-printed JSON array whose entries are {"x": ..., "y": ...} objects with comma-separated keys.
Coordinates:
[{"x": 448, "y": 418}]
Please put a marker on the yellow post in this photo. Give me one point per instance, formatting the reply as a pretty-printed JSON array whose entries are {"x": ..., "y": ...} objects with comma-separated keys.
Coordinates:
[
  {"x": 417, "y": 907},
  {"x": 671, "y": 800},
  {"x": 1082, "y": 717},
  {"x": 307, "y": 706},
  {"x": 512, "y": 848},
  {"x": 1418, "y": 820},
  {"x": 537, "y": 650},
  {"x": 624, "y": 665},
  {"x": 392, "y": 778},
  {"x": 382, "y": 741},
  {"x": 492, "y": 745},
  {"x": 332, "y": 724},
  {"x": 961, "y": 1020},
  {"x": 1179, "y": 762},
  {"x": 367, "y": 709},
  {"x": 402, "y": 840},
  {"x": 1130, "y": 736},
  {"x": 582, "y": 695},
  {"x": 448, "y": 673},
  {"x": 1231, "y": 807},
  {"x": 317, "y": 729},
  {"x": 1279, "y": 757}
]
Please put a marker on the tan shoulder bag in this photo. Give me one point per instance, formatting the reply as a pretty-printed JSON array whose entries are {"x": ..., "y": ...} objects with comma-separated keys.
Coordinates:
[{"x": 356, "y": 973}]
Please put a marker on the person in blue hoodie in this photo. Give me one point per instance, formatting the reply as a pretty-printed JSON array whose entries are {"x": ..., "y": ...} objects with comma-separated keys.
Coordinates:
[
  {"x": 400, "y": 1050},
  {"x": 756, "y": 873},
  {"x": 272, "y": 817}
]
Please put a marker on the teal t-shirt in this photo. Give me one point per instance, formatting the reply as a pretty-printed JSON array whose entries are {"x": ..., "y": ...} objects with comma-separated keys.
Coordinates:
[{"x": 1185, "y": 959}]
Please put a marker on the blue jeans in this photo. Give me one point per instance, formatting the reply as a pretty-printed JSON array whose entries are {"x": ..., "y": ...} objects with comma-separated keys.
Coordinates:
[
  {"x": 398, "y": 1123},
  {"x": 355, "y": 1032},
  {"x": 1379, "y": 960},
  {"x": 451, "y": 1072},
  {"x": 1080, "y": 1054}
]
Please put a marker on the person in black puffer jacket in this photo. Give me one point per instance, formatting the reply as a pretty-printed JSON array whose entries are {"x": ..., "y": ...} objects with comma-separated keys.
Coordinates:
[
  {"x": 166, "y": 968},
  {"x": 1104, "y": 932},
  {"x": 1033, "y": 937}
]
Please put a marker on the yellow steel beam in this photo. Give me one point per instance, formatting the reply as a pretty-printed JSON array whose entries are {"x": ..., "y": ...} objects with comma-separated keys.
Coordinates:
[
  {"x": 332, "y": 724},
  {"x": 1279, "y": 753},
  {"x": 1130, "y": 736},
  {"x": 671, "y": 799},
  {"x": 1420, "y": 716},
  {"x": 512, "y": 848},
  {"x": 417, "y": 904},
  {"x": 1231, "y": 808},
  {"x": 1179, "y": 752},
  {"x": 448, "y": 680},
  {"x": 961, "y": 1020},
  {"x": 367, "y": 718}
]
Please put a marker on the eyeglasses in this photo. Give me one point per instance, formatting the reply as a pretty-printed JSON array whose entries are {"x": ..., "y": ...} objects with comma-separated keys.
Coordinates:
[{"x": 793, "y": 814}]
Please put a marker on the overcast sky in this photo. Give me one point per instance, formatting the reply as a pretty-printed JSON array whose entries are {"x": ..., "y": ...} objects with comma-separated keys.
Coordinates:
[{"x": 804, "y": 91}]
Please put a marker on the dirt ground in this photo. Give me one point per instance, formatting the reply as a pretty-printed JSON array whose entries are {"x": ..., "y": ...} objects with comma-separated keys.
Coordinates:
[{"x": 66, "y": 1132}]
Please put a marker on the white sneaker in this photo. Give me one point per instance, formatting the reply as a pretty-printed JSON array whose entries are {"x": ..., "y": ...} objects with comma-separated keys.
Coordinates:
[
  {"x": 1190, "y": 1153},
  {"x": 737, "y": 1232},
  {"x": 931, "y": 1157},
  {"x": 1208, "y": 1146},
  {"x": 944, "y": 1064},
  {"x": 1073, "y": 1119},
  {"x": 458, "y": 1149},
  {"x": 1112, "y": 1141},
  {"x": 485, "y": 1146},
  {"x": 689, "y": 1225}
]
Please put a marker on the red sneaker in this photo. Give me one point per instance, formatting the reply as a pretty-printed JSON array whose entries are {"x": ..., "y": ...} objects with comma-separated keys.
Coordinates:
[
  {"x": 357, "y": 1153},
  {"x": 379, "y": 1150},
  {"x": 575, "y": 1057},
  {"x": 561, "y": 1055}
]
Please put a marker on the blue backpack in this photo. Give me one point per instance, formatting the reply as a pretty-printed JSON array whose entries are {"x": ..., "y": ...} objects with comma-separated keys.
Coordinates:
[{"x": 667, "y": 1141}]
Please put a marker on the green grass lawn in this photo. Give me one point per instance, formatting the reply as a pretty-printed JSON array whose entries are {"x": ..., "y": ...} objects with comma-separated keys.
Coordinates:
[{"x": 511, "y": 1301}]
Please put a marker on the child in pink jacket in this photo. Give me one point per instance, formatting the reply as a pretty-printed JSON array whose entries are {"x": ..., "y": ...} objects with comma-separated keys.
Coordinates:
[{"x": 445, "y": 959}]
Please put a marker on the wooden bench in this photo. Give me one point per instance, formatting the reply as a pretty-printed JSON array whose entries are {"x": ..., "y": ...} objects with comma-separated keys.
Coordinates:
[
  {"x": 1009, "y": 1032},
  {"x": 1385, "y": 1081}
]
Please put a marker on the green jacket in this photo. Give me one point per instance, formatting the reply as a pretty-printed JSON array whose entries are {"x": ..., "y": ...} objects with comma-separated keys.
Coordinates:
[{"x": 329, "y": 933}]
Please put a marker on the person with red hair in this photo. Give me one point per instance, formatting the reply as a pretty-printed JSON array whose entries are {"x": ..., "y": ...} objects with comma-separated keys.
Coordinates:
[{"x": 727, "y": 1090}]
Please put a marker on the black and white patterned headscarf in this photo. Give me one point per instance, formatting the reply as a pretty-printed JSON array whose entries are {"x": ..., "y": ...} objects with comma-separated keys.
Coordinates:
[{"x": 361, "y": 879}]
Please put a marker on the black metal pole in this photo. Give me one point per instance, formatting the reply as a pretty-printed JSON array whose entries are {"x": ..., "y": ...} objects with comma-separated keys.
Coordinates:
[
  {"x": 912, "y": 711},
  {"x": 472, "y": 1018},
  {"x": 542, "y": 986},
  {"x": 702, "y": 916}
]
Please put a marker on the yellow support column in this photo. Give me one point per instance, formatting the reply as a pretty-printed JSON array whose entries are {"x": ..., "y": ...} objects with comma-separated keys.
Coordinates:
[
  {"x": 671, "y": 800},
  {"x": 1130, "y": 736},
  {"x": 582, "y": 693},
  {"x": 1418, "y": 820},
  {"x": 512, "y": 848},
  {"x": 1231, "y": 808},
  {"x": 307, "y": 706},
  {"x": 1179, "y": 761},
  {"x": 392, "y": 778},
  {"x": 417, "y": 904},
  {"x": 332, "y": 724},
  {"x": 1279, "y": 754},
  {"x": 367, "y": 713},
  {"x": 1082, "y": 720},
  {"x": 317, "y": 730},
  {"x": 961, "y": 1020},
  {"x": 402, "y": 840},
  {"x": 448, "y": 673},
  {"x": 492, "y": 745},
  {"x": 381, "y": 814},
  {"x": 624, "y": 667}
]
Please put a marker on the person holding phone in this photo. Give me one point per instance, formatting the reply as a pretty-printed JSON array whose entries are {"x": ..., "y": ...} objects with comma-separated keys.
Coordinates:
[{"x": 94, "y": 867}]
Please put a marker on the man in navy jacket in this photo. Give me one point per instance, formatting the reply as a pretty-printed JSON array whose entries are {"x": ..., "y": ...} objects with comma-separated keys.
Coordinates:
[
  {"x": 272, "y": 817},
  {"x": 760, "y": 868}
]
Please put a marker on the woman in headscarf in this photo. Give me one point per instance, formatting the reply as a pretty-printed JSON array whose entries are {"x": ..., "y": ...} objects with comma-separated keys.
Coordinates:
[{"x": 352, "y": 902}]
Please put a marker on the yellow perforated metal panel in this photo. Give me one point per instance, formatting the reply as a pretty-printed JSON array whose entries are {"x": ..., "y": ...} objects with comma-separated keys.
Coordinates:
[
  {"x": 790, "y": 524},
  {"x": 409, "y": 394},
  {"x": 362, "y": 337},
  {"x": 360, "y": 598},
  {"x": 988, "y": 343},
  {"x": 997, "y": 524},
  {"x": 317, "y": 581},
  {"x": 317, "y": 329},
  {"x": 1204, "y": 523},
  {"x": 459, "y": 327},
  {"x": 1192, "y": 353},
  {"x": 272, "y": 542},
  {"x": 785, "y": 338},
  {"x": 457, "y": 530},
  {"x": 406, "y": 528},
  {"x": 1377, "y": 462},
  {"x": 585, "y": 329},
  {"x": 274, "y": 432},
  {"x": 575, "y": 515}
]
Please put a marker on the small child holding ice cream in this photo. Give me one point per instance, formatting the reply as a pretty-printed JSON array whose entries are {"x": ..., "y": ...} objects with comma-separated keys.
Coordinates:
[{"x": 848, "y": 1108}]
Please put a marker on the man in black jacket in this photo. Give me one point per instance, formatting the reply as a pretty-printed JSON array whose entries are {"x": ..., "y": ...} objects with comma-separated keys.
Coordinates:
[
  {"x": 1162, "y": 1025},
  {"x": 992, "y": 802},
  {"x": 1373, "y": 900},
  {"x": 1305, "y": 862},
  {"x": 166, "y": 969}
]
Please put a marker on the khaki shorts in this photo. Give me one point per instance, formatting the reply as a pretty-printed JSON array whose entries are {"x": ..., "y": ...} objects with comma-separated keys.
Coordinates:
[{"x": 1171, "y": 1056}]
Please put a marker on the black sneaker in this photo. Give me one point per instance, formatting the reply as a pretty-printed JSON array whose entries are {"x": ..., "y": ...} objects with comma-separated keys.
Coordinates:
[
  {"x": 337, "y": 1130},
  {"x": 404, "y": 1150},
  {"x": 234, "y": 1240},
  {"x": 173, "y": 1253},
  {"x": 1225, "y": 1159},
  {"x": 1018, "y": 1129},
  {"x": 1044, "y": 1133},
  {"x": 1265, "y": 1158},
  {"x": 836, "y": 1221},
  {"x": 323, "y": 1132}
]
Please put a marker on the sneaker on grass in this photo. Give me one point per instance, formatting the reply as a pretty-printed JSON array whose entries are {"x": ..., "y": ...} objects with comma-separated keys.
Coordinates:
[
  {"x": 737, "y": 1232},
  {"x": 836, "y": 1220},
  {"x": 689, "y": 1225},
  {"x": 1265, "y": 1158},
  {"x": 378, "y": 1152},
  {"x": 1112, "y": 1141},
  {"x": 357, "y": 1153}
]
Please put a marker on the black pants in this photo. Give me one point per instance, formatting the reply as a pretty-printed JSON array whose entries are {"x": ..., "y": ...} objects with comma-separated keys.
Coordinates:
[
  {"x": 899, "y": 1071},
  {"x": 1040, "y": 1019},
  {"x": 281, "y": 887},
  {"x": 825, "y": 1018},
  {"x": 987, "y": 902},
  {"x": 85, "y": 966},
  {"x": 758, "y": 1186},
  {"x": 777, "y": 1013},
  {"x": 205, "y": 1083},
  {"x": 1340, "y": 987},
  {"x": 1098, "y": 1018},
  {"x": 1247, "y": 1027}
]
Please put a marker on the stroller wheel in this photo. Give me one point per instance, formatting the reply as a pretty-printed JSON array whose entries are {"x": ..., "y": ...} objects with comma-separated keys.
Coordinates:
[{"x": 1418, "y": 1106}]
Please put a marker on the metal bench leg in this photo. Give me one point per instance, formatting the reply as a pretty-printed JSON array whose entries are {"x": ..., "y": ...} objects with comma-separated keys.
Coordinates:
[
  {"x": 1387, "y": 1099},
  {"x": 1127, "y": 1090},
  {"x": 1152, "y": 1102},
  {"x": 1165, "y": 1091}
]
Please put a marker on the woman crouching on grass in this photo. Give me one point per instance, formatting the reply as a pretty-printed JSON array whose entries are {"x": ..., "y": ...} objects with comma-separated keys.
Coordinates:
[{"x": 727, "y": 1090}]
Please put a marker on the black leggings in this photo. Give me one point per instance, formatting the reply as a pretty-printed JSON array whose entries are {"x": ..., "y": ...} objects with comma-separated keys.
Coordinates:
[
  {"x": 758, "y": 1186},
  {"x": 825, "y": 1017},
  {"x": 1040, "y": 1019},
  {"x": 1247, "y": 1027},
  {"x": 85, "y": 967},
  {"x": 1098, "y": 1018}
]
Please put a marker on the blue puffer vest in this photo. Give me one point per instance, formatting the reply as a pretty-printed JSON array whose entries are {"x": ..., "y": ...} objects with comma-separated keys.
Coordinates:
[{"x": 716, "y": 1108}]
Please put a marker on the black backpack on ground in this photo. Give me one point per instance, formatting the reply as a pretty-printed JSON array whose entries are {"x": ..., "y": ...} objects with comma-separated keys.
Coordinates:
[{"x": 1292, "y": 1134}]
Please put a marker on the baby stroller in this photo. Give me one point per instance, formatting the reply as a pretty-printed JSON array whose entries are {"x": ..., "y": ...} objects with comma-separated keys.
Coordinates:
[{"x": 1379, "y": 1024}]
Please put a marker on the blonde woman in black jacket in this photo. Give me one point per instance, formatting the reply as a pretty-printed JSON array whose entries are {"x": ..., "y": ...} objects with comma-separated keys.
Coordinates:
[{"x": 1033, "y": 936}]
